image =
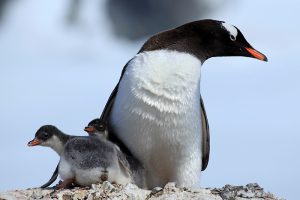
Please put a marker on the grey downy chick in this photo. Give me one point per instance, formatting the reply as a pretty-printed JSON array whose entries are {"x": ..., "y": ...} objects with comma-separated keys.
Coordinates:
[
  {"x": 98, "y": 127},
  {"x": 51, "y": 136},
  {"x": 84, "y": 160},
  {"x": 92, "y": 159}
]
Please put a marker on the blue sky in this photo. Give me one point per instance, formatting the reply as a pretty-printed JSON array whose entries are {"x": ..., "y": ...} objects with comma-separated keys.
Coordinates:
[{"x": 50, "y": 74}]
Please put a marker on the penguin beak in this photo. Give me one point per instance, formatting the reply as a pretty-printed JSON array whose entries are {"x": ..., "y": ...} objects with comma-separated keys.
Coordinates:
[
  {"x": 256, "y": 54},
  {"x": 89, "y": 129},
  {"x": 34, "y": 142}
]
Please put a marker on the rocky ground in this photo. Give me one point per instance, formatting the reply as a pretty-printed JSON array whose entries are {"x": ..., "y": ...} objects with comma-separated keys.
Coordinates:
[{"x": 170, "y": 192}]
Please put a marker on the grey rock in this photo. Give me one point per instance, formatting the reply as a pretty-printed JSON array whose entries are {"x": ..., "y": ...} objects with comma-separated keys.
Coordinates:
[{"x": 106, "y": 190}]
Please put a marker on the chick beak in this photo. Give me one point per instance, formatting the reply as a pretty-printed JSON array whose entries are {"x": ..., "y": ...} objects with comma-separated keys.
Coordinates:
[
  {"x": 34, "y": 142},
  {"x": 89, "y": 129}
]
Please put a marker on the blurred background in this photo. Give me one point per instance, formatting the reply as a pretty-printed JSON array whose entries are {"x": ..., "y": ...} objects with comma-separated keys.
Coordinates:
[{"x": 59, "y": 61}]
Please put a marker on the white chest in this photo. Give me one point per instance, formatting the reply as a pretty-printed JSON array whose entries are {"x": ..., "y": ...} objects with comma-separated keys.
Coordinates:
[{"x": 157, "y": 108}]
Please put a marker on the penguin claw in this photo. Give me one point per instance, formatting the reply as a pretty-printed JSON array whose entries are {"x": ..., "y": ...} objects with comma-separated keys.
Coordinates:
[
  {"x": 104, "y": 177},
  {"x": 67, "y": 183}
]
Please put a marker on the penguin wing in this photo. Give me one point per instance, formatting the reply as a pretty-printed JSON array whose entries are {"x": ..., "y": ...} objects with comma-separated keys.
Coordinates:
[
  {"x": 107, "y": 108},
  {"x": 124, "y": 164},
  {"x": 52, "y": 179},
  {"x": 105, "y": 116},
  {"x": 205, "y": 136}
]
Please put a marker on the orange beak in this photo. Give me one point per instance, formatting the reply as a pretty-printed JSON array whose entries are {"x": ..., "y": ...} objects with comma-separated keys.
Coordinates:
[
  {"x": 34, "y": 142},
  {"x": 256, "y": 54},
  {"x": 89, "y": 129}
]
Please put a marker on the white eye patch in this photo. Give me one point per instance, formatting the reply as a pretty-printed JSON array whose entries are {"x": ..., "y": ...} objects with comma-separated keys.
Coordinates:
[{"x": 230, "y": 29}]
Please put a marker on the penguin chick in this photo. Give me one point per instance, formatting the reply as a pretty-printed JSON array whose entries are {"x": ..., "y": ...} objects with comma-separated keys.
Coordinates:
[
  {"x": 91, "y": 159},
  {"x": 84, "y": 160},
  {"x": 52, "y": 137},
  {"x": 98, "y": 127}
]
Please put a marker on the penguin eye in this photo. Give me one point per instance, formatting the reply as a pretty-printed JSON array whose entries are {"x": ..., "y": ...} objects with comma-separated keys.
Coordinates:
[
  {"x": 232, "y": 38},
  {"x": 101, "y": 127},
  {"x": 45, "y": 135}
]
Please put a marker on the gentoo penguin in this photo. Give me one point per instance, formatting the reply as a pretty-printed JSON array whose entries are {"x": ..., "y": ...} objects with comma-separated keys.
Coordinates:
[
  {"x": 101, "y": 127},
  {"x": 51, "y": 136},
  {"x": 98, "y": 127},
  {"x": 85, "y": 160},
  {"x": 156, "y": 109}
]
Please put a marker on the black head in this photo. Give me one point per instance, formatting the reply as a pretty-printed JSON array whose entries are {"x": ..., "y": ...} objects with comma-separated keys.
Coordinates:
[
  {"x": 43, "y": 135},
  {"x": 204, "y": 39},
  {"x": 96, "y": 125}
]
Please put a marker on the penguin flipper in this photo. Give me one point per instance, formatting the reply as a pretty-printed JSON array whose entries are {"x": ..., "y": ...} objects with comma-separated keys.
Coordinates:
[
  {"x": 52, "y": 179},
  {"x": 107, "y": 108},
  {"x": 105, "y": 117},
  {"x": 205, "y": 136},
  {"x": 124, "y": 164}
]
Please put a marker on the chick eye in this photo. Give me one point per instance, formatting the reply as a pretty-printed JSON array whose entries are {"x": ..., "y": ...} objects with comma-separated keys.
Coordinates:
[
  {"x": 45, "y": 135},
  {"x": 232, "y": 38},
  {"x": 101, "y": 127}
]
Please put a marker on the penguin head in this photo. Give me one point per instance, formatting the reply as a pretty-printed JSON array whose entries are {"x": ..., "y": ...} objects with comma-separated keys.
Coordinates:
[
  {"x": 223, "y": 39},
  {"x": 46, "y": 135},
  {"x": 97, "y": 127},
  {"x": 204, "y": 39}
]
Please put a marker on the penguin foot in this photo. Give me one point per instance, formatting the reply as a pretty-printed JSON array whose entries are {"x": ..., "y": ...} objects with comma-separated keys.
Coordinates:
[
  {"x": 104, "y": 176},
  {"x": 65, "y": 184}
]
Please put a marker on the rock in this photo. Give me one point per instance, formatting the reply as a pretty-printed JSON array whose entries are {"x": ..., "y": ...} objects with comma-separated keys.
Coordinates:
[{"x": 107, "y": 190}]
